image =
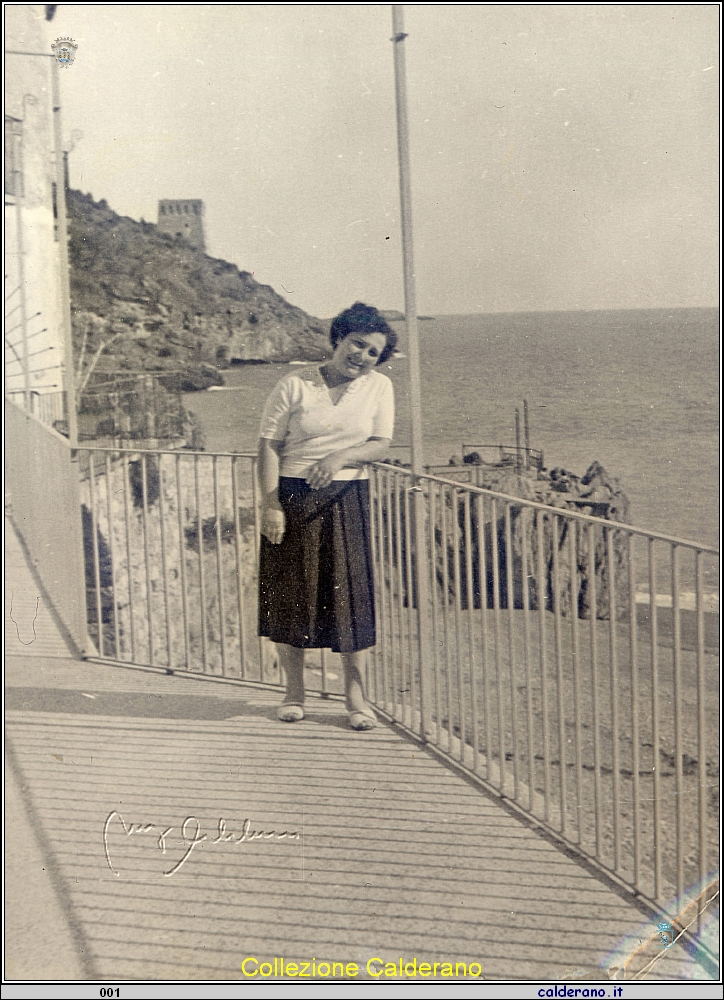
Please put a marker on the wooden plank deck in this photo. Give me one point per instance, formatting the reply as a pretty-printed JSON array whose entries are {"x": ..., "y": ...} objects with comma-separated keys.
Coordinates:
[{"x": 397, "y": 856}]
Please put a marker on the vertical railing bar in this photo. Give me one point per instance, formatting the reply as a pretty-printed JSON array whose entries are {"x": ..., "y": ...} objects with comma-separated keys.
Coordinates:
[
  {"x": 432, "y": 520},
  {"x": 241, "y": 608},
  {"x": 526, "y": 653},
  {"x": 219, "y": 567},
  {"x": 635, "y": 761},
  {"x": 96, "y": 554},
  {"x": 701, "y": 718},
  {"x": 593, "y": 612},
  {"x": 129, "y": 567},
  {"x": 484, "y": 631},
  {"x": 397, "y": 598},
  {"x": 511, "y": 646},
  {"x": 613, "y": 657},
  {"x": 541, "y": 590},
  {"x": 323, "y": 670},
  {"x": 384, "y": 576},
  {"x": 257, "y": 543},
  {"x": 390, "y": 548},
  {"x": 406, "y": 497},
  {"x": 446, "y": 616},
  {"x": 164, "y": 572},
  {"x": 146, "y": 556},
  {"x": 420, "y": 510},
  {"x": 678, "y": 741},
  {"x": 182, "y": 563},
  {"x": 400, "y": 592},
  {"x": 202, "y": 582},
  {"x": 575, "y": 666},
  {"x": 473, "y": 660},
  {"x": 410, "y": 617},
  {"x": 457, "y": 583},
  {"x": 372, "y": 692},
  {"x": 495, "y": 557},
  {"x": 656, "y": 736},
  {"x": 556, "y": 525},
  {"x": 112, "y": 552}
]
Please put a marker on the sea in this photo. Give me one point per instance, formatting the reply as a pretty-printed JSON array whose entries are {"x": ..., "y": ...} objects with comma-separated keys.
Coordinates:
[{"x": 636, "y": 390}]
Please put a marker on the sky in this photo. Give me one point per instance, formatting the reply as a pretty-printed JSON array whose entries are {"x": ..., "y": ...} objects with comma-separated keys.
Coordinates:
[{"x": 563, "y": 156}]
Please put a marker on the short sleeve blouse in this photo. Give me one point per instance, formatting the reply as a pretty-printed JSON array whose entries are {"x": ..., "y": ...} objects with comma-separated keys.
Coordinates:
[{"x": 300, "y": 413}]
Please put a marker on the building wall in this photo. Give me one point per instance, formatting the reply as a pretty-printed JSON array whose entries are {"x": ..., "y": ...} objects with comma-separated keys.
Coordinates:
[
  {"x": 183, "y": 218},
  {"x": 30, "y": 223}
]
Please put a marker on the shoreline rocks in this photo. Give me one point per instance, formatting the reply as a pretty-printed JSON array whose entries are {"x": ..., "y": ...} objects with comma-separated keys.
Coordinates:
[{"x": 567, "y": 565}]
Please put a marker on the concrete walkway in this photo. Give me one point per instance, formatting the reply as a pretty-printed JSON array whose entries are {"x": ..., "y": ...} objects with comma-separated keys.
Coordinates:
[{"x": 394, "y": 855}]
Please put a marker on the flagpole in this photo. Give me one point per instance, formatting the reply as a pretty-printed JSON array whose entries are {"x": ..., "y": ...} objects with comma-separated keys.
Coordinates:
[{"x": 417, "y": 495}]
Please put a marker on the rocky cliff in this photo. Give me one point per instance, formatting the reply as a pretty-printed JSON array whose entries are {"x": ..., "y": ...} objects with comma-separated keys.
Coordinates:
[{"x": 159, "y": 305}]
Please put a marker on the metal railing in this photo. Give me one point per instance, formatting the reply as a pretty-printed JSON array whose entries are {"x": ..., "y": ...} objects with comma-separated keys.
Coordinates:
[
  {"x": 171, "y": 543},
  {"x": 48, "y": 407},
  {"x": 517, "y": 456},
  {"x": 572, "y": 663},
  {"x": 573, "y": 668}
]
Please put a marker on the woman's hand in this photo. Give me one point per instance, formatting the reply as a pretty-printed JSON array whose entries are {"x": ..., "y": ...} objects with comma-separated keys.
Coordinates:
[
  {"x": 323, "y": 472},
  {"x": 273, "y": 524}
]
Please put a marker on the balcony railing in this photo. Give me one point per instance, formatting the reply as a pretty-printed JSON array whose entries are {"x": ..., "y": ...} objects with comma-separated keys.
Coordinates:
[
  {"x": 572, "y": 665},
  {"x": 568, "y": 663}
]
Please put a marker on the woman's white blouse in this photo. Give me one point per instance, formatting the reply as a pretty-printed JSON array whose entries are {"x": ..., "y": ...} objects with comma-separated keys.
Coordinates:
[{"x": 300, "y": 413}]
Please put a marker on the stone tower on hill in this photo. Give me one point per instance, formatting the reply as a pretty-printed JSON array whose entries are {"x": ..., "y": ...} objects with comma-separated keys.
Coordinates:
[{"x": 183, "y": 218}]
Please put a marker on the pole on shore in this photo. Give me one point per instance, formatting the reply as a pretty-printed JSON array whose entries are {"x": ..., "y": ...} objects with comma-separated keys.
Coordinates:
[
  {"x": 526, "y": 431},
  {"x": 518, "y": 453},
  {"x": 403, "y": 152},
  {"x": 417, "y": 496}
]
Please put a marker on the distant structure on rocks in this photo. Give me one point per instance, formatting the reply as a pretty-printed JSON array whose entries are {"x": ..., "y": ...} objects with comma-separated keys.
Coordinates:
[{"x": 183, "y": 217}]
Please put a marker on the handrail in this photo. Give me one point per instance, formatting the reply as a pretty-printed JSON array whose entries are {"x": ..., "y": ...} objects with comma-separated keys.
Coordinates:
[
  {"x": 536, "y": 505},
  {"x": 87, "y": 446},
  {"x": 498, "y": 444},
  {"x": 483, "y": 491}
]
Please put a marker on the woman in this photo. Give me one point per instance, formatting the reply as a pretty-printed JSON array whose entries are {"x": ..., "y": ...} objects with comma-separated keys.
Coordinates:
[{"x": 319, "y": 428}]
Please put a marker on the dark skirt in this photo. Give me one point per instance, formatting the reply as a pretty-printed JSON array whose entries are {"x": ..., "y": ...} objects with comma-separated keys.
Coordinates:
[{"x": 316, "y": 587}]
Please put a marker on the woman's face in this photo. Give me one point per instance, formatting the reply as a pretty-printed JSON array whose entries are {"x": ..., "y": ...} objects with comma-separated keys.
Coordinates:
[{"x": 358, "y": 353}]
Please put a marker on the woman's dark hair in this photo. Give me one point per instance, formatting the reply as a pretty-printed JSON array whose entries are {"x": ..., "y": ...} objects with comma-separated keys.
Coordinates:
[{"x": 360, "y": 318}]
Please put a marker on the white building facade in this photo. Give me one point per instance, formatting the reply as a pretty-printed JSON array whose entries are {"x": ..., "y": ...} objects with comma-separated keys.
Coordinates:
[{"x": 36, "y": 289}]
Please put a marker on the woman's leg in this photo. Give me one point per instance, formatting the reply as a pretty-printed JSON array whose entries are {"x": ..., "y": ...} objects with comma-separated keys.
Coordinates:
[
  {"x": 361, "y": 715},
  {"x": 291, "y": 660}
]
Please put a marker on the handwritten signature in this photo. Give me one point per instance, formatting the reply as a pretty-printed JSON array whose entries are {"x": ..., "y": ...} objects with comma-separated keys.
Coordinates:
[{"x": 191, "y": 835}]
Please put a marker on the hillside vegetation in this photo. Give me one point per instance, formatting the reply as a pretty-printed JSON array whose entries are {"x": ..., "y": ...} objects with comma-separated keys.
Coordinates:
[{"x": 146, "y": 301}]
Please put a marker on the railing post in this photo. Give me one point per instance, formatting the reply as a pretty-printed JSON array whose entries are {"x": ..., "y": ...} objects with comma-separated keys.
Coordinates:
[{"x": 423, "y": 611}]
